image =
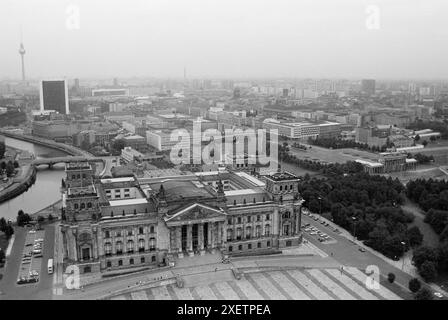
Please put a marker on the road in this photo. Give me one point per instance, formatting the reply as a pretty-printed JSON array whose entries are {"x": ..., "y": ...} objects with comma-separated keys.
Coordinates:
[{"x": 34, "y": 291}]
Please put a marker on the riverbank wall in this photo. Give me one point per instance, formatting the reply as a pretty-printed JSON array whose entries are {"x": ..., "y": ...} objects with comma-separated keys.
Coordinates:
[{"x": 18, "y": 187}]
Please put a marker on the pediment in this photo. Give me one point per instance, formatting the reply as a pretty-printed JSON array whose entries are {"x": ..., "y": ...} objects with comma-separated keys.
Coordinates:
[{"x": 196, "y": 212}]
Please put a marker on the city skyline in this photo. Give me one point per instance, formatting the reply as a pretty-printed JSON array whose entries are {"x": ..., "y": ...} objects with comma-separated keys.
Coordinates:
[{"x": 320, "y": 39}]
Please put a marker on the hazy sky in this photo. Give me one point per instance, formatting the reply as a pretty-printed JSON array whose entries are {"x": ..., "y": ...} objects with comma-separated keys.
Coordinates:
[{"x": 228, "y": 38}]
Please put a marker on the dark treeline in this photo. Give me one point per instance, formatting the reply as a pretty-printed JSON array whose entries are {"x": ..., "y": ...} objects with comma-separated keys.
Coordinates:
[
  {"x": 432, "y": 196},
  {"x": 368, "y": 207}
]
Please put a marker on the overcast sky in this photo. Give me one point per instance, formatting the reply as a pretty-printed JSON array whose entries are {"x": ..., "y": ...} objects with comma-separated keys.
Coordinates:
[{"x": 226, "y": 38}]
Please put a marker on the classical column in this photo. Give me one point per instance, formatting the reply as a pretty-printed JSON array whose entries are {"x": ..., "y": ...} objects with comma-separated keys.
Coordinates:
[
  {"x": 201, "y": 238},
  {"x": 179, "y": 239},
  {"x": 209, "y": 235},
  {"x": 224, "y": 234},
  {"x": 190, "y": 239}
]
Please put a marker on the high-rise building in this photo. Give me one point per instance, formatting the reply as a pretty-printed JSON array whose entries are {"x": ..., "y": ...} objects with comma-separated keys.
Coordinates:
[
  {"x": 368, "y": 86},
  {"x": 54, "y": 96}
]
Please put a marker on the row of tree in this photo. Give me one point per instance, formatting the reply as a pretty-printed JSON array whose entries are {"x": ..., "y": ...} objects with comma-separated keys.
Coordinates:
[
  {"x": 367, "y": 206},
  {"x": 337, "y": 143},
  {"x": 331, "y": 169},
  {"x": 6, "y": 228},
  {"x": 428, "y": 193},
  {"x": 438, "y": 126}
]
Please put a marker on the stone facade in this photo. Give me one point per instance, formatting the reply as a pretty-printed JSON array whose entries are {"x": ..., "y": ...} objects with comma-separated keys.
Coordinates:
[{"x": 172, "y": 219}]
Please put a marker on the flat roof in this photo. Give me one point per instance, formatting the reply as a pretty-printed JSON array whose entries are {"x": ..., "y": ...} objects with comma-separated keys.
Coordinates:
[
  {"x": 127, "y": 202},
  {"x": 113, "y": 180},
  {"x": 251, "y": 179},
  {"x": 370, "y": 164},
  {"x": 241, "y": 192}
]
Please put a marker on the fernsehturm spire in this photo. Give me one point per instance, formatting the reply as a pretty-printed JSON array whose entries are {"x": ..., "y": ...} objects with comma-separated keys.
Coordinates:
[{"x": 22, "y": 53}]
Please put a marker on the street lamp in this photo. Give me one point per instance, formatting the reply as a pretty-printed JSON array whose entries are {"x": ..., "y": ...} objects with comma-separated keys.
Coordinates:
[
  {"x": 404, "y": 250},
  {"x": 354, "y": 228}
]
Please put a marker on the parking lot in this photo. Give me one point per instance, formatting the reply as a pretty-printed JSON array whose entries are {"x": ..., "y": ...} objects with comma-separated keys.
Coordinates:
[
  {"x": 321, "y": 236},
  {"x": 30, "y": 265}
]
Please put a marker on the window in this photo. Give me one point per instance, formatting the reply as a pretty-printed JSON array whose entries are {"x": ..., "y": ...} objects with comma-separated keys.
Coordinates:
[
  {"x": 107, "y": 234},
  {"x": 142, "y": 260},
  {"x": 264, "y": 199},
  {"x": 140, "y": 230},
  {"x": 290, "y": 187},
  {"x": 119, "y": 247},
  {"x": 254, "y": 200},
  {"x": 240, "y": 247},
  {"x": 73, "y": 177},
  {"x": 120, "y": 263},
  {"x": 248, "y": 232},
  {"x": 130, "y": 246},
  {"x": 281, "y": 188},
  {"x": 76, "y": 206},
  {"x": 131, "y": 261},
  {"x": 248, "y": 218},
  {"x": 229, "y": 234},
  {"x": 89, "y": 204},
  {"x": 152, "y": 244},
  {"x": 141, "y": 245},
  {"x": 229, "y": 221},
  {"x": 249, "y": 246},
  {"x": 108, "y": 249},
  {"x": 268, "y": 243},
  {"x": 258, "y": 218},
  {"x": 151, "y": 229},
  {"x": 239, "y": 220},
  {"x": 268, "y": 217},
  {"x": 153, "y": 259},
  {"x": 267, "y": 230},
  {"x": 234, "y": 202},
  {"x": 83, "y": 205},
  {"x": 238, "y": 233},
  {"x": 108, "y": 264},
  {"x": 258, "y": 231},
  {"x": 129, "y": 232},
  {"x": 288, "y": 243},
  {"x": 118, "y": 234},
  {"x": 135, "y": 211},
  {"x": 244, "y": 201},
  {"x": 123, "y": 213},
  {"x": 111, "y": 213},
  {"x": 78, "y": 176},
  {"x": 230, "y": 248},
  {"x": 259, "y": 245}
]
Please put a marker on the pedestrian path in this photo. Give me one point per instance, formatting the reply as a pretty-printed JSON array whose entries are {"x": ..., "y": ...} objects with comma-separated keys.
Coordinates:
[{"x": 296, "y": 284}]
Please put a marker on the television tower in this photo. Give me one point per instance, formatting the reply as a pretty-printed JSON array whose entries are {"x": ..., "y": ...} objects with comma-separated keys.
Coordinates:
[{"x": 22, "y": 53}]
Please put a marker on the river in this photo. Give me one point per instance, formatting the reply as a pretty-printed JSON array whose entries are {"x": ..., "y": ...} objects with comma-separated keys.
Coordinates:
[{"x": 44, "y": 191}]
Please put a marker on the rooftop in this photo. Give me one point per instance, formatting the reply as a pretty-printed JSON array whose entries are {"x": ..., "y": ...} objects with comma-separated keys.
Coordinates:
[
  {"x": 282, "y": 176},
  {"x": 127, "y": 202}
]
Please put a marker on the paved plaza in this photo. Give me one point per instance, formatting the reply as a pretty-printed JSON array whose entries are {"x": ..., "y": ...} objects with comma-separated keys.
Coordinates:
[{"x": 295, "y": 284}]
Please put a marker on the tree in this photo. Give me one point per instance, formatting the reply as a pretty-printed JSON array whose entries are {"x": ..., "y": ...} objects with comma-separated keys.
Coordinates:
[
  {"x": 423, "y": 294},
  {"x": 414, "y": 285},
  {"x": 422, "y": 255},
  {"x": 3, "y": 165},
  {"x": 22, "y": 218},
  {"x": 417, "y": 138},
  {"x": 2, "y": 149},
  {"x": 118, "y": 145},
  {"x": 415, "y": 237},
  {"x": 425, "y": 143},
  {"x": 9, "y": 168},
  {"x": 40, "y": 219},
  {"x": 15, "y": 164},
  {"x": 391, "y": 277},
  {"x": 428, "y": 270},
  {"x": 2, "y": 256}
]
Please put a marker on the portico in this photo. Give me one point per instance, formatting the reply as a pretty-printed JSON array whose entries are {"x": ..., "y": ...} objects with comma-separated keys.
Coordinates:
[{"x": 196, "y": 229}]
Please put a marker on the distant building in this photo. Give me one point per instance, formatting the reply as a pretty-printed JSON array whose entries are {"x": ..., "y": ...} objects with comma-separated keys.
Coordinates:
[
  {"x": 109, "y": 92},
  {"x": 368, "y": 86},
  {"x": 54, "y": 96},
  {"x": 304, "y": 130}
]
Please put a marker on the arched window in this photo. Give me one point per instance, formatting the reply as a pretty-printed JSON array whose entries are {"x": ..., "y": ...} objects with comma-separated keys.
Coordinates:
[
  {"x": 267, "y": 230},
  {"x": 130, "y": 246},
  {"x": 89, "y": 204},
  {"x": 281, "y": 188},
  {"x": 83, "y": 205},
  {"x": 135, "y": 211},
  {"x": 111, "y": 213},
  {"x": 140, "y": 230},
  {"x": 151, "y": 230},
  {"x": 120, "y": 263},
  {"x": 131, "y": 261},
  {"x": 76, "y": 206},
  {"x": 234, "y": 202},
  {"x": 78, "y": 176},
  {"x": 107, "y": 234},
  {"x": 73, "y": 177},
  {"x": 83, "y": 175},
  {"x": 123, "y": 213},
  {"x": 130, "y": 232},
  {"x": 108, "y": 248}
]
